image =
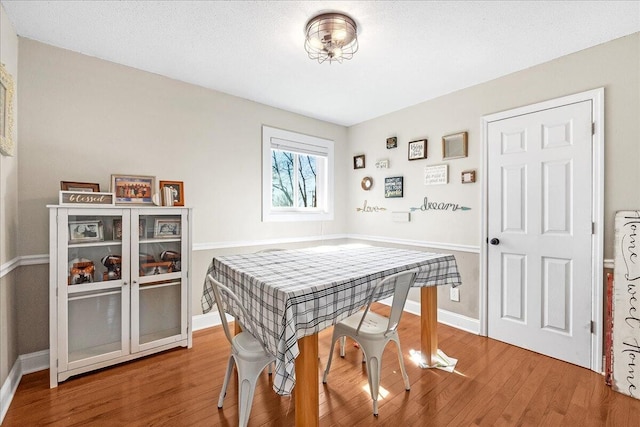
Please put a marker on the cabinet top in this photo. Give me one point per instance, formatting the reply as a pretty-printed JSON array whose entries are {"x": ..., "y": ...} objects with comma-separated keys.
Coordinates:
[{"x": 86, "y": 206}]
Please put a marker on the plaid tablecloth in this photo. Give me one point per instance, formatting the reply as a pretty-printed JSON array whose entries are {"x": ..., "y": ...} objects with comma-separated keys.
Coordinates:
[{"x": 294, "y": 293}]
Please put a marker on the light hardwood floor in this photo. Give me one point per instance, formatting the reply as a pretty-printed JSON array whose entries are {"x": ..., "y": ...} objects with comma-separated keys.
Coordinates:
[{"x": 494, "y": 384}]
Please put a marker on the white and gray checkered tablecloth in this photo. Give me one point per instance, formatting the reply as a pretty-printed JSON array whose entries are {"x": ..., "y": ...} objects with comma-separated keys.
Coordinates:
[{"x": 294, "y": 293}]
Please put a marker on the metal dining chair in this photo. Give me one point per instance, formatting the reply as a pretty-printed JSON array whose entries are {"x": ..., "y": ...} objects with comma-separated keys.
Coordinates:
[
  {"x": 247, "y": 350},
  {"x": 373, "y": 332}
]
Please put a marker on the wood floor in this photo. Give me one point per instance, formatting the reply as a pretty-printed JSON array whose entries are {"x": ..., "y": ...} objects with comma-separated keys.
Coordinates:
[{"x": 494, "y": 384}]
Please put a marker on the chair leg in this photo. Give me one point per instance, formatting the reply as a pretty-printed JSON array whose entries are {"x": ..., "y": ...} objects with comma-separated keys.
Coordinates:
[
  {"x": 405, "y": 377},
  {"x": 245, "y": 399},
  {"x": 227, "y": 376},
  {"x": 373, "y": 372},
  {"x": 326, "y": 370}
]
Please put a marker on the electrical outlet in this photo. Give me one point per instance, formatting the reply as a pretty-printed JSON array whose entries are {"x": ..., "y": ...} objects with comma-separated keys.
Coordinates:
[{"x": 454, "y": 294}]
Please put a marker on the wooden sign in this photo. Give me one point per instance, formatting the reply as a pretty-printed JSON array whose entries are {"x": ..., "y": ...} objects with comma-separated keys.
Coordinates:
[
  {"x": 434, "y": 175},
  {"x": 86, "y": 198},
  {"x": 626, "y": 305}
]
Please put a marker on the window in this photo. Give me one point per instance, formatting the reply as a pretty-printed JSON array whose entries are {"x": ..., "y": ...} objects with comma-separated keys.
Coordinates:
[{"x": 297, "y": 176}]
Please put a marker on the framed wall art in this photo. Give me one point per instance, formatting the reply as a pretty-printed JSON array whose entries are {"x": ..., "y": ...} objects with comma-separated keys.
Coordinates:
[
  {"x": 7, "y": 92},
  {"x": 418, "y": 149},
  {"x": 392, "y": 142},
  {"x": 454, "y": 146},
  {"x": 393, "y": 187},
  {"x": 358, "y": 161},
  {"x": 176, "y": 189},
  {"x": 133, "y": 189}
]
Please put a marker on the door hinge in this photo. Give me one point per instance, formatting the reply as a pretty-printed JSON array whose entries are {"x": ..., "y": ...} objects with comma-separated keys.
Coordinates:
[
  {"x": 593, "y": 327},
  {"x": 593, "y": 228},
  {"x": 593, "y": 128}
]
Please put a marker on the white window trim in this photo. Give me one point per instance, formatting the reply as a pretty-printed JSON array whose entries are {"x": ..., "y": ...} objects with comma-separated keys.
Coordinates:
[{"x": 272, "y": 137}]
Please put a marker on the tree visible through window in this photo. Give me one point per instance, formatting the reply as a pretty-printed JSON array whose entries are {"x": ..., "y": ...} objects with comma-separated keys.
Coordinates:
[
  {"x": 293, "y": 180},
  {"x": 297, "y": 176}
]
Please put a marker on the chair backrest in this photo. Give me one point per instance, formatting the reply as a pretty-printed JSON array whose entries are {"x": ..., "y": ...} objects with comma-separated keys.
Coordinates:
[
  {"x": 400, "y": 282},
  {"x": 228, "y": 302}
]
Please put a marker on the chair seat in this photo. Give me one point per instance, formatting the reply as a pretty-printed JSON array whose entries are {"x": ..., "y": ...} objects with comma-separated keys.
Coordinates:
[
  {"x": 248, "y": 347},
  {"x": 373, "y": 326}
]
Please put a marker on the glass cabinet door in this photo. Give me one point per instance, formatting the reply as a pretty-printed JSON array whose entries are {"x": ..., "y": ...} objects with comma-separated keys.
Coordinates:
[
  {"x": 94, "y": 286},
  {"x": 158, "y": 281}
]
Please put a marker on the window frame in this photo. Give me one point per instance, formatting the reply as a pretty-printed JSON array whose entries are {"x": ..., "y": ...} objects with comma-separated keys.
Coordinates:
[{"x": 323, "y": 150}]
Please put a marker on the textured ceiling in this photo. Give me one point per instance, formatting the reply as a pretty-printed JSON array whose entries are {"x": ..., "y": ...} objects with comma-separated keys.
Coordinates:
[{"x": 410, "y": 51}]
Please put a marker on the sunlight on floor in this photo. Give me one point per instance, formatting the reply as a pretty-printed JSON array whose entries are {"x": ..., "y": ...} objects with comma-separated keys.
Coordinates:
[
  {"x": 444, "y": 362},
  {"x": 382, "y": 392}
]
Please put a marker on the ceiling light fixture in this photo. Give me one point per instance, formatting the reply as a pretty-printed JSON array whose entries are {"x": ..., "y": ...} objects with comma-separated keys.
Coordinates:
[{"x": 331, "y": 37}]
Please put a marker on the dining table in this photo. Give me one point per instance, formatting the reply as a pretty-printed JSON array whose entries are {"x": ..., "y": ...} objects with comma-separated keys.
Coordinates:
[{"x": 291, "y": 295}]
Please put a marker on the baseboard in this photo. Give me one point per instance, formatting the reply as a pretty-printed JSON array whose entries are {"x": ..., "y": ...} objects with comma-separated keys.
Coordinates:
[
  {"x": 34, "y": 362},
  {"x": 203, "y": 321},
  {"x": 24, "y": 364},
  {"x": 9, "y": 388},
  {"x": 445, "y": 317}
]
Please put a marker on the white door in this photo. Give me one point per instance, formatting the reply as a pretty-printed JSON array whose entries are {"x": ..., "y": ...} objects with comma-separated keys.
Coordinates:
[{"x": 539, "y": 228}]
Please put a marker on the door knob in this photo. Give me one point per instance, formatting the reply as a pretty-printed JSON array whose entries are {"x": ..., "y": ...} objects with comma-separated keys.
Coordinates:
[{"x": 495, "y": 241}]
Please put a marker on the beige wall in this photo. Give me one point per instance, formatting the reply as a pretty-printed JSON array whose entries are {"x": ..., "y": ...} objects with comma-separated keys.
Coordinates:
[
  {"x": 85, "y": 119},
  {"x": 614, "y": 66},
  {"x": 8, "y": 216}
]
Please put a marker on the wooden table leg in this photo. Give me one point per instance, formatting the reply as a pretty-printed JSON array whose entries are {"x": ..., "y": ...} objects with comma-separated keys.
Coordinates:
[
  {"x": 236, "y": 328},
  {"x": 429, "y": 324},
  {"x": 306, "y": 389}
]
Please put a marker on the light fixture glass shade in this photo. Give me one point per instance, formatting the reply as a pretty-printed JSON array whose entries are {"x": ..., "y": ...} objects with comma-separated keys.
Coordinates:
[{"x": 331, "y": 37}]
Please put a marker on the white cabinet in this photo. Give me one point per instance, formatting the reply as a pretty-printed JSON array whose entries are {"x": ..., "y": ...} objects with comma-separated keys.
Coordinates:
[{"x": 118, "y": 285}]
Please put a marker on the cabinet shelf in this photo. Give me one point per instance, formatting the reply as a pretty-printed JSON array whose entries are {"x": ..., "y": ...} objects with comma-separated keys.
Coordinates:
[{"x": 95, "y": 244}]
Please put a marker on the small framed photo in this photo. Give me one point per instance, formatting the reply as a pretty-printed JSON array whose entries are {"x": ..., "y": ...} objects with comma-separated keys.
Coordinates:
[
  {"x": 166, "y": 228},
  {"x": 133, "y": 189},
  {"x": 117, "y": 228},
  {"x": 358, "y": 161},
  {"x": 454, "y": 146},
  {"x": 153, "y": 268},
  {"x": 418, "y": 149},
  {"x": 85, "y": 231},
  {"x": 176, "y": 188},
  {"x": 468, "y": 177},
  {"x": 392, "y": 142},
  {"x": 87, "y": 187}
]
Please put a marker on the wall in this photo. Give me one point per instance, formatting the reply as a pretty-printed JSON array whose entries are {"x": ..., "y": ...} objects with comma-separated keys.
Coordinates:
[
  {"x": 85, "y": 119},
  {"x": 8, "y": 218},
  {"x": 614, "y": 66}
]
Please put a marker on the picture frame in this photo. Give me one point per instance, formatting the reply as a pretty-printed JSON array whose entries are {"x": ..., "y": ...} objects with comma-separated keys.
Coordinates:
[
  {"x": 166, "y": 228},
  {"x": 454, "y": 146},
  {"x": 117, "y": 228},
  {"x": 154, "y": 268},
  {"x": 392, "y": 142},
  {"x": 358, "y": 162},
  {"x": 468, "y": 177},
  {"x": 393, "y": 187},
  {"x": 7, "y": 94},
  {"x": 87, "y": 187},
  {"x": 133, "y": 189},
  {"x": 86, "y": 231},
  {"x": 418, "y": 149},
  {"x": 177, "y": 190}
]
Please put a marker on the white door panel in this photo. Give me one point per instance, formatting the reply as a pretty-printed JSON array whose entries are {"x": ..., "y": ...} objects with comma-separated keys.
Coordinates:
[{"x": 539, "y": 210}]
